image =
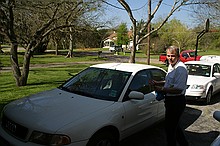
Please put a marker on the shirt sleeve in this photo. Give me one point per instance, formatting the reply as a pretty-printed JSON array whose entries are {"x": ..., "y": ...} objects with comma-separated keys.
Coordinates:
[{"x": 181, "y": 76}]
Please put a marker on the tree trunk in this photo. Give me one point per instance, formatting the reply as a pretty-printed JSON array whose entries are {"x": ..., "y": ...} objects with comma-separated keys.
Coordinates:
[
  {"x": 20, "y": 77},
  {"x": 1, "y": 49},
  {"x": 56, "y": 47},
  {"x": 133, "y": 50},
  {"x": 133, "y": 20},
  {"x": 26, "y": 65},
  {"x": 70, "y": 52},
  {"x": 14, "y": 63},
  {"x": 148, "y": 31}
]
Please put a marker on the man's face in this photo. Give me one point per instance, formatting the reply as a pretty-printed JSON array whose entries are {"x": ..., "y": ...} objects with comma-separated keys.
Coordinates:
[{"x": 172, "y": 57}]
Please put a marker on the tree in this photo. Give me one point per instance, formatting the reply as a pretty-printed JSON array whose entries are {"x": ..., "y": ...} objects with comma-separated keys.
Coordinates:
[
  {"x": 209, "y": 11},
  {"x": 136, "y": 38},
  {"x": 134, "y": 29},
  {"x": 122, "y": 35},
  {"x": 36, "y": 20},
  {"x": 1, "y": 41},
  {"x": 176, "y": 33}
]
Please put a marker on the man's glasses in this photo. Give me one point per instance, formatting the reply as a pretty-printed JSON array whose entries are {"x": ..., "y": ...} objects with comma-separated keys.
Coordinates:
[{"x": 171, "y": 55}]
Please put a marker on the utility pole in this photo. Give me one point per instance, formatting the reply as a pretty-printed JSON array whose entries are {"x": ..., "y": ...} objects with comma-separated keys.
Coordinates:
[{"x": 148, "y": 31}]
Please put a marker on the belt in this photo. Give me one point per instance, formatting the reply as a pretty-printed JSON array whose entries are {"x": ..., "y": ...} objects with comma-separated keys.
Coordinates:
[
  {"x": 178, "y": 97},
  {"x": 174, "y": 95}
]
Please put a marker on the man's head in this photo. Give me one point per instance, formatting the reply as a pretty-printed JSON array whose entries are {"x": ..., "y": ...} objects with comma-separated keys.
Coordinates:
[{"x": 172, "y": 55}]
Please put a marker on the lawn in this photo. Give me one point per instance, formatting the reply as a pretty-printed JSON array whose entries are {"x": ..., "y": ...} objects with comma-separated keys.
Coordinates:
[{"x": 39, "y": 79}]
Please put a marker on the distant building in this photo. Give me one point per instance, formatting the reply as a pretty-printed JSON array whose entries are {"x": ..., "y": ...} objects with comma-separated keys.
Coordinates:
[{"x": 109, "y": 41}]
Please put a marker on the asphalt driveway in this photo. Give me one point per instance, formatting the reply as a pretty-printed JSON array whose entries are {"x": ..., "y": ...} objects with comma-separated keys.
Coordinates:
[{"x": 200, "y": 127}]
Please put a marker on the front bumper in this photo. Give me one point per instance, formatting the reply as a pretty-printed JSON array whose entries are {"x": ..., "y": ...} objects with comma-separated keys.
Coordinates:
[
  {"x": 8, "y": 140},
  {"x": 195, "y": 94}
]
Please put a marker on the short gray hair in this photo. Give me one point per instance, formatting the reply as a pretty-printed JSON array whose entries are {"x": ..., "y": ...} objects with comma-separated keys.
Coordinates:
[{"x": 174, "y": 49}]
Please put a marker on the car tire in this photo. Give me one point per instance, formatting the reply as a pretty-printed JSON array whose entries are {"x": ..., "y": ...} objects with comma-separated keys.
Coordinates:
[
  {"x": 209, "y": 96},
  {"x": 103, "y": 139}
]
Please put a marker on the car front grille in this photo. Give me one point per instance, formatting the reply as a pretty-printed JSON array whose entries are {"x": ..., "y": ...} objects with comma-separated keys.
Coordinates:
[{"x": 14, "y": 129}]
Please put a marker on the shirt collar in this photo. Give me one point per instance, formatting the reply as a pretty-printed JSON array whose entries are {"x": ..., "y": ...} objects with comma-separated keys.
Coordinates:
[{"x": 171, "y": 68}]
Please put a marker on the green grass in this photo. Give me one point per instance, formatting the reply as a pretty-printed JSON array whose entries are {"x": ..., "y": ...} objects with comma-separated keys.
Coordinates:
[
  {"x": 48, "y": 58},
  {"x": 209, "y": 52},
  {"x": 39, "y": 80}
]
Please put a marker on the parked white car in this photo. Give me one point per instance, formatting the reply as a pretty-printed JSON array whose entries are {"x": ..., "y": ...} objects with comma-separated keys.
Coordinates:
[
  {"x": 115, "y": 48},
  {"x": 203, "y": 80},
  {"x": 97, "y": 107},
  {"x": 211, "y": 58}
]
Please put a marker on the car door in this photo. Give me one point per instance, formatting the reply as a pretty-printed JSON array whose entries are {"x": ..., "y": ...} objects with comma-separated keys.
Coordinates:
[
  {"x": 140, "y": 113},
  {"x": 159, "y": 75}
]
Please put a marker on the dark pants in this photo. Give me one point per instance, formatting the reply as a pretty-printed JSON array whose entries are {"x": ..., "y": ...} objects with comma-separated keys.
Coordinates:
[{"x": 174, "y": 109}]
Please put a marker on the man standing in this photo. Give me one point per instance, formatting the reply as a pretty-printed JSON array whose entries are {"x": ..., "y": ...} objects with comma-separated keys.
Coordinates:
[{"x": 175, "y": 103}]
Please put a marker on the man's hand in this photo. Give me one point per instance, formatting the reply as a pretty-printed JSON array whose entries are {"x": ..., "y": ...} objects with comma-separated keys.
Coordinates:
[{"x": 159, "y": 88}]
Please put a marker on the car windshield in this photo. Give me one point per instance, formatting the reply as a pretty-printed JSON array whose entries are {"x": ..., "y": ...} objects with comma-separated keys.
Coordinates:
[
  {"x": 192, "y": 54},
  {"x": 105, "y": 84},
  {"x": 199, "y": 69}
]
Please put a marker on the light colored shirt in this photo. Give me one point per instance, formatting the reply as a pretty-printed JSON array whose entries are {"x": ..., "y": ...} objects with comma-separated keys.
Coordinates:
[{"x": 176, "y": 78}]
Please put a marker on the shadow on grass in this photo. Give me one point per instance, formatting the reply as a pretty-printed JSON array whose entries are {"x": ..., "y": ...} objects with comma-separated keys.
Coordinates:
[{"x": 46, "y": 83}]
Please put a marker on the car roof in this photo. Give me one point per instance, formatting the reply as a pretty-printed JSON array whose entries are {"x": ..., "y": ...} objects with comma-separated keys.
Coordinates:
[
  {"x": 129, "y": 67},
  {"x": 201, "y": 62}
]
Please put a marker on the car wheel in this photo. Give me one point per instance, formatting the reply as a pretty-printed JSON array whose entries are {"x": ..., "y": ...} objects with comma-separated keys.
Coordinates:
[
  {"x": 103, "y": 139},
  {"x": 209, "y": 96}
]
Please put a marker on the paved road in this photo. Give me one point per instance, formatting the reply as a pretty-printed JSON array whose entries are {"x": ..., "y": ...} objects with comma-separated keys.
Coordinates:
[{"x": 200, "y": 127}]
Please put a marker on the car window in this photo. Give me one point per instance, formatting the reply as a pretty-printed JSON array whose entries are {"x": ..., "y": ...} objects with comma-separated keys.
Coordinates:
[
  {"x": 184, "y": 54},
  {"x": 140, "y": 82},
  {"x": 158, "y": 75},
  {"x": 216, "y": 68},
  {"x": 199, "y": 70},
  {"x": 98, "y": 83},
  {"x": 192, "y": 54}
]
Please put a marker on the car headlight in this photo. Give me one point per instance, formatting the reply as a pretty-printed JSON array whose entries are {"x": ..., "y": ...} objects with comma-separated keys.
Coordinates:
[
  {"x": 197, "y": 87},
  {"x": 49, "y": 139}
]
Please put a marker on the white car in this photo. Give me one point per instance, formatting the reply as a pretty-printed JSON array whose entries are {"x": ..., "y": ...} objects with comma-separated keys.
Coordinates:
[
  {"x": 210, "y": 58},
  {"x": 97, "y": 107},
  {"x": 115, "y": 48},
  {"x": 203, "y": 80}
]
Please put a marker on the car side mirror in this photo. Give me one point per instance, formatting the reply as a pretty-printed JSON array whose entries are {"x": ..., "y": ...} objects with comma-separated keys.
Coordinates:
[
  {"x": 217, "y": 75},
  {"x": 136, "y": 95}
]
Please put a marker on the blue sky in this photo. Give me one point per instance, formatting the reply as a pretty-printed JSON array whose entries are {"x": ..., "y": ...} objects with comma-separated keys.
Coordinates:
[{"x": 121, "y": 16}]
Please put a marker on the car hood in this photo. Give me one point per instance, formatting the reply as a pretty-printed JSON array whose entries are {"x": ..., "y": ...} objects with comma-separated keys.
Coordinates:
[
  {"x": 199, "y": 80},
  {"x": 51, "y": 110}
]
